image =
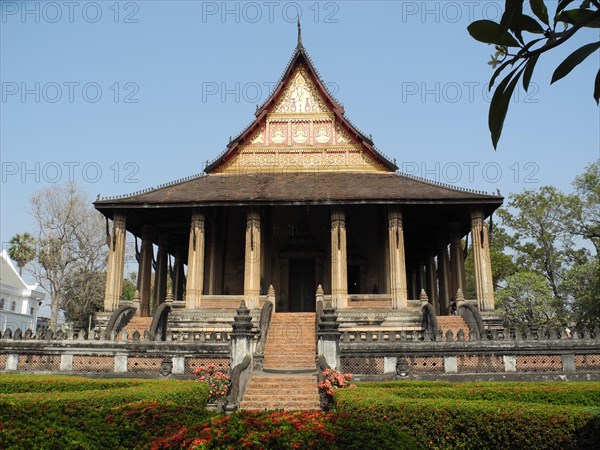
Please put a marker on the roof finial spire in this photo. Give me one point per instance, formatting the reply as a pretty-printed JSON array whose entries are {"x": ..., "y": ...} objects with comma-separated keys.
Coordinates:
[{"x": 299, "y": 33}]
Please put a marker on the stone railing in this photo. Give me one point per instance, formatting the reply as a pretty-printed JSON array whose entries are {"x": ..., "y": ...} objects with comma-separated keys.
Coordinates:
[
  {"x": 119, "y": 354},
  {"x": 534, "y": 354}
]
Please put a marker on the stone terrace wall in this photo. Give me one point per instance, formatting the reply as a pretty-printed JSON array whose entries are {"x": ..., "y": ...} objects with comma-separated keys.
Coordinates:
[
  {"x": 534, "y": 355},
  {"x": 137, "y": 355}
]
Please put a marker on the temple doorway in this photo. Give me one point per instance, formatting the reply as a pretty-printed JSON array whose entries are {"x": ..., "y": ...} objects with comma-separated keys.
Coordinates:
[{"x": 302, "y": 285}]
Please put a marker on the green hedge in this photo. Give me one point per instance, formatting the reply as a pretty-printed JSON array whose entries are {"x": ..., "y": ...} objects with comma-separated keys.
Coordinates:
[
  {"x": 95, "y": 414},
  {"x": 18, "y": 383},
  {"x": 575, "y": 393},
  {"x": 480, "y": 415}
]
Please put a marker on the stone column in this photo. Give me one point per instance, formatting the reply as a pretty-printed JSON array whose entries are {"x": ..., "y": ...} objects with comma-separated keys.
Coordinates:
[
  {"x": 195, "y": 274},
  {"x": 398, "y": 288},
  {"x": 457, "y": 261},
  {"x": 252, "y": 264},
  {"x": 116, "y": 264},
  {"x": 432, "y": 282},
  {"x": 160, "y": 279},
  {"x": 339, "y": 262},
  {"x": 481, "y": 259},
  {"x": 178, "y": 275},
  {"x": 145, "y": 272},
  {"x": 444, "y": 277}
]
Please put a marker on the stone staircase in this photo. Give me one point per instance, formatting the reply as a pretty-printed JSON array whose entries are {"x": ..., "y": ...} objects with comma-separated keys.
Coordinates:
[
  {"x": 290, "y": 392},
  {"x": 289, "y": 379},
  {"x": 454, "y": 324},
  {"x": 291, "y": 342},
  {"x": 139, "y": 324}
]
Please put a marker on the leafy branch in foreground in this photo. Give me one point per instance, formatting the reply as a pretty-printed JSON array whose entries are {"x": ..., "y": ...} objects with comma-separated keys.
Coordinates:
[{"x": 508, "y": 35}]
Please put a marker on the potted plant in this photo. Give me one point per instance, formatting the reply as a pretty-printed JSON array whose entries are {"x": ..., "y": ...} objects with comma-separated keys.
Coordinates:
[
  {"x": 331, "y": 381},
  {"x": 218, "y": 385}
]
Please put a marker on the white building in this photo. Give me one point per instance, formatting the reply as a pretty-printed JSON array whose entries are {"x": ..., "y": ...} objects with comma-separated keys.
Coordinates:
[{"x": 19, "y": 301}]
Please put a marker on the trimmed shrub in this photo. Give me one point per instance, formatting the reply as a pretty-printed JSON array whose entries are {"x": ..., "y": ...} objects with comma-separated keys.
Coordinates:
[
  {"x": 288, "y": 430},
  {"x": 469, "y": 415},
  {"x": 117, "y": 414}
]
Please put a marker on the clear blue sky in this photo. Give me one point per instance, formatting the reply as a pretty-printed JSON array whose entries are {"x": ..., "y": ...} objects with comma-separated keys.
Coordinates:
[{"x": 124, "y": 96}]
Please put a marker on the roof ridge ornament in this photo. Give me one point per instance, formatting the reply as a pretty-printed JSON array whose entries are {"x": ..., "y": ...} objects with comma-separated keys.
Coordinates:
[{"x": 299, "y": 45}]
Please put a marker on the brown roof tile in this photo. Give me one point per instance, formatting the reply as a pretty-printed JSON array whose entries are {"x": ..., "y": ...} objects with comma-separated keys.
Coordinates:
[{"x": 291, "y": 188}]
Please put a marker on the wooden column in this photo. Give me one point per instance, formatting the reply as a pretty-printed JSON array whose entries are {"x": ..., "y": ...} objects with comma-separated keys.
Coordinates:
[
  {"x": 432, "y": 282},
  {"x": 422, "y": 275},
  {"x": 160, "y": 279},
  {"x": 457, "y": 261},
  {"x": 444, "y": 277},
  {"x": 195, "y": 274},
  {"x": 178, "y": 274},
  {"x": 145, "y": 272},
  {"x": 339, "y": 261},
  {"x": 253, "y": 263},
  {"x": 413, "y": 284},
  {"x": 482, "y": 264},
  {"x": 211, "y": 260},
  {"x": 397, "y": 262},
  {"x": 116, "y": 264}
]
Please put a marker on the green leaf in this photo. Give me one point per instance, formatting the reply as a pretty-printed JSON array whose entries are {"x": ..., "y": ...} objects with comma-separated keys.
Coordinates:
[
  {"x": 574, "y": 16},
  {"x": 539, "y": 9},
  {"x": 499, "y": 105},
  {"x": 573, "y": 60},
  {"x": 513, "y": 9},
  {"x": 597, "y": 88},
  {"x": 490, "y": 33},
  {"x": 527, "y": 23},
  {"x": 512, "y": 12},
  {"x": 529, "y": 71},
  {"x": 562, "y": 4},
  {"x": 498, "y": 71}
]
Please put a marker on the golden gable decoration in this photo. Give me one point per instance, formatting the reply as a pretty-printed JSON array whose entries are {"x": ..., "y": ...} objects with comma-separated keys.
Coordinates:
[{"x": 300, "y": 96}]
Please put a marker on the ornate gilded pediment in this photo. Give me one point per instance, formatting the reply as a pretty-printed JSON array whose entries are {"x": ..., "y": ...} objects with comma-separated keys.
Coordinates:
[
  {"x": 300, "y": 96},
  {"x": 300, "y": 133}
]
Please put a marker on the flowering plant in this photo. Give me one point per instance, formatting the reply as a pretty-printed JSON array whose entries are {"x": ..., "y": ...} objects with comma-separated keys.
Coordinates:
[
  {"x": 332, "y": 380},
  {"x": 217, "y": 381}
]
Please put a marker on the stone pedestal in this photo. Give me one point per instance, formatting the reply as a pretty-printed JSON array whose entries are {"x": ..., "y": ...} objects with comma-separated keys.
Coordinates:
[
  {"x": 241, "y": 336},
  {"x": 329, "y": 337}
]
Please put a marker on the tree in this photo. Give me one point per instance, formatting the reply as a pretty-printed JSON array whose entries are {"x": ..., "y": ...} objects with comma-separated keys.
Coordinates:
[
  {"x": 22, "y": 250},
  {"x": 542, "y": 243},
  {"x": 584, "y": 215},
  {"x": 582, "y": 283},
  {"x": 71, "y": 240},
  {"x": 508, "y": 34},
  {"x": 83, "y": 295},
  {"x": 130, "y": 286},
  {"x": 527, "y": 300}
]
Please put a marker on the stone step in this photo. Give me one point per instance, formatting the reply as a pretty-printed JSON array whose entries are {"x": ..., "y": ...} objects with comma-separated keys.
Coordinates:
[
  {"x": 454, "y": 324},
  {"x": 286, "y": 406},
  {"x": 279, "y": 391}
]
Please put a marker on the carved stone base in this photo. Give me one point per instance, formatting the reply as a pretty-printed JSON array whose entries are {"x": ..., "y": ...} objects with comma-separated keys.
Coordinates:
[{"x": 492, "y": 320}]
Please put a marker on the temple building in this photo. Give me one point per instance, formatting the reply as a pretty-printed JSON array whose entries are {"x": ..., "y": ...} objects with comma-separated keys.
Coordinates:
[{"x": 300, "y": 199}]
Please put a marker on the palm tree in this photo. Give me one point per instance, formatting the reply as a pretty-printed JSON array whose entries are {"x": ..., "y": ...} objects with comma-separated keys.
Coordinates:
[{"x": 22, "y": 249}]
